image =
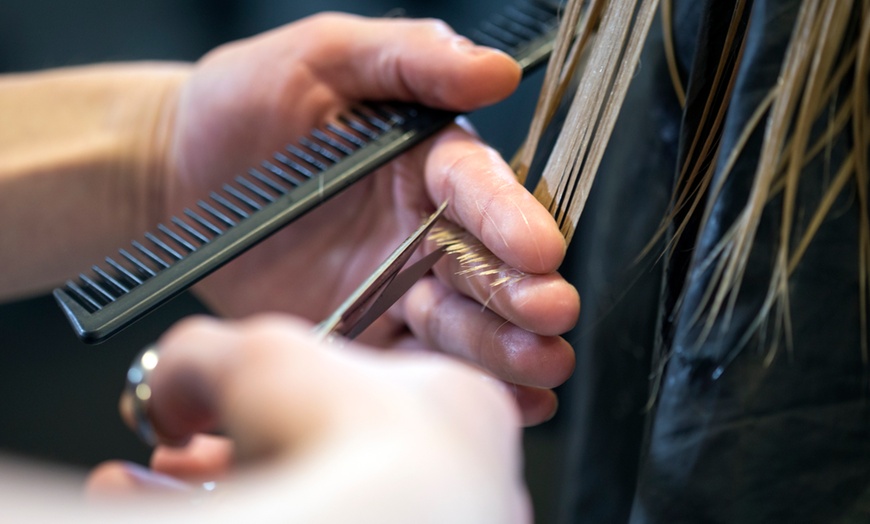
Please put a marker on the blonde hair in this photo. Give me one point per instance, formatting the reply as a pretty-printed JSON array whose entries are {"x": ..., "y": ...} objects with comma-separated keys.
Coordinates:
[{"x": 822, "y": 82}]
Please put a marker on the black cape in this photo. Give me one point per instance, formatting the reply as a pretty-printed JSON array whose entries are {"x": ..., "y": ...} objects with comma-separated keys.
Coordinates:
[{"x": 726, "y": 438}]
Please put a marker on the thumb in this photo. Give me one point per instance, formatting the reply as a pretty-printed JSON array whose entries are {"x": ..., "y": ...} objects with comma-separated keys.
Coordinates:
[
  {"x": 262, "y": 382},
  {"x": 422, "y": 60}
]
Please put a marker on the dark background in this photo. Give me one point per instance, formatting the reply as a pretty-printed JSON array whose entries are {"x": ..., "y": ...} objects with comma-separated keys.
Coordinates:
[{"x": 59, "y": 396}]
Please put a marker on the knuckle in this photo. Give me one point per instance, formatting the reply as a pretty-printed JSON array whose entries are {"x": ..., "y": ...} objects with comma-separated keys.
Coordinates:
[
  {"x": 480, "y": 161},
  {"x": 433, "y": 28}
]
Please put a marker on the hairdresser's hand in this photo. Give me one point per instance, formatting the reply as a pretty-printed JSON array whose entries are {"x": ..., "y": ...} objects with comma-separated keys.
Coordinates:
[
  {"x": 323, "y": 433},
  {"x": 248, "y": 99}
]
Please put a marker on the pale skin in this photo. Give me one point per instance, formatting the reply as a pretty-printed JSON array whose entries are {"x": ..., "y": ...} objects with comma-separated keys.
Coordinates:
[
  {"x": 128, "y": 145},
  {"x": 320, "y": 434}
]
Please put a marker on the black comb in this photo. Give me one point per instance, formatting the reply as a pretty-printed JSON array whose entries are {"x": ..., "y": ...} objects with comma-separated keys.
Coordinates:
[{"x": 294, "y": 181}]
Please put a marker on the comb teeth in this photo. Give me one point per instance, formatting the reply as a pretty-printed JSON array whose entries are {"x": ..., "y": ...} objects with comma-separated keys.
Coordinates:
[
  {"x": 519, "y": 24},
  {"x": 226, "y": 208},
  {"x": 257, "y": 203}
]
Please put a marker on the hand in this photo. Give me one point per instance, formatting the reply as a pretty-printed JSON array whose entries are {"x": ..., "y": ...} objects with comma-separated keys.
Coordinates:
[
  {"x": 323, "y": 433},
  {"x": 248, "y": 99}
]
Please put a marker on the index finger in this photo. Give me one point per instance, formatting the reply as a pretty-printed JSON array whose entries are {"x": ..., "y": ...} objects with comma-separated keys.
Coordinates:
[{"x": 487, "y": 200}]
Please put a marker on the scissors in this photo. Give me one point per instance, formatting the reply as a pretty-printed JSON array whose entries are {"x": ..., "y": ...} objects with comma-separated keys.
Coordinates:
[
  {"x": 367, "y": 302},
  {"x": 384, "y": 287}
]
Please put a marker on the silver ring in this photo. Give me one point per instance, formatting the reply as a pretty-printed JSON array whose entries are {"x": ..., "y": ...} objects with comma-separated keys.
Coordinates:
[{"x": 137, "y": 394}]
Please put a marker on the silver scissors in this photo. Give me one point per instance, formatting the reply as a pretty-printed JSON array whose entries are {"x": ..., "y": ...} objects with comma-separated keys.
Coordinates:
[
  {"x": 368, "y": 302},
  {"x": 384, "y": 287}
]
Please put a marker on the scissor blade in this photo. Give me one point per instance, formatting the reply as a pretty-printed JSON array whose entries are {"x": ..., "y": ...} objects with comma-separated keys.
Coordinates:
[
  {"x": 394, "y": 291},
  {"x": 345, "y": 318}
]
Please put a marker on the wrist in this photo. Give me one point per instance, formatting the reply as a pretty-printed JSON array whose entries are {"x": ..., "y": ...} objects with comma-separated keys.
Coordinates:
[
  {"x": 144, "y": 155},
  {"x": 82, "y": 157}
]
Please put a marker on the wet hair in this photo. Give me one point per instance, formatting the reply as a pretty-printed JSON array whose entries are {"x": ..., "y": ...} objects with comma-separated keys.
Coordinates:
[
  {"x": 822, "y": 84},
  {"x": 821, "y": 94}
]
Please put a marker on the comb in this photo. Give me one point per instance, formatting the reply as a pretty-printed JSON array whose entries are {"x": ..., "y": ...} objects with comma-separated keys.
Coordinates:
[{"x": 103, "y": 300}]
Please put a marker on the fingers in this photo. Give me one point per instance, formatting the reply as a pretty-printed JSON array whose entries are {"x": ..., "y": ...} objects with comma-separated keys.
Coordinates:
[
  {"x": 215, "y": 376},
  {"x": 381, "y": 430},
  {"x": 543, "y": 304},
  {"x": 118, "y": 482},
  {"x": 204, "y": 458},
  {"x": 274, "y": 388},
  {"x": 421, "y": 60},
  {"x": 537, "y": 405},
  {"x": 487, "y": 200},
  {"x": 514, "y": 334},
  {"x": 445, "y": 319}
]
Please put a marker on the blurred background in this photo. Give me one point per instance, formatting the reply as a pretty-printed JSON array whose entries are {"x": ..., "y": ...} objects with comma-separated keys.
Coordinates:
[{"x": 59, "y": 396}]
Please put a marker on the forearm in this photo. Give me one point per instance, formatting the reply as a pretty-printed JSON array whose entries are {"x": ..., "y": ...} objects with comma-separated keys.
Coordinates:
[{"x": 81, "y": 166}]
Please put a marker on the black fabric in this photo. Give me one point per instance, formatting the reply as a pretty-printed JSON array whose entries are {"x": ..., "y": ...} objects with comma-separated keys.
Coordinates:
[{"x": 729, "y": 437}]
